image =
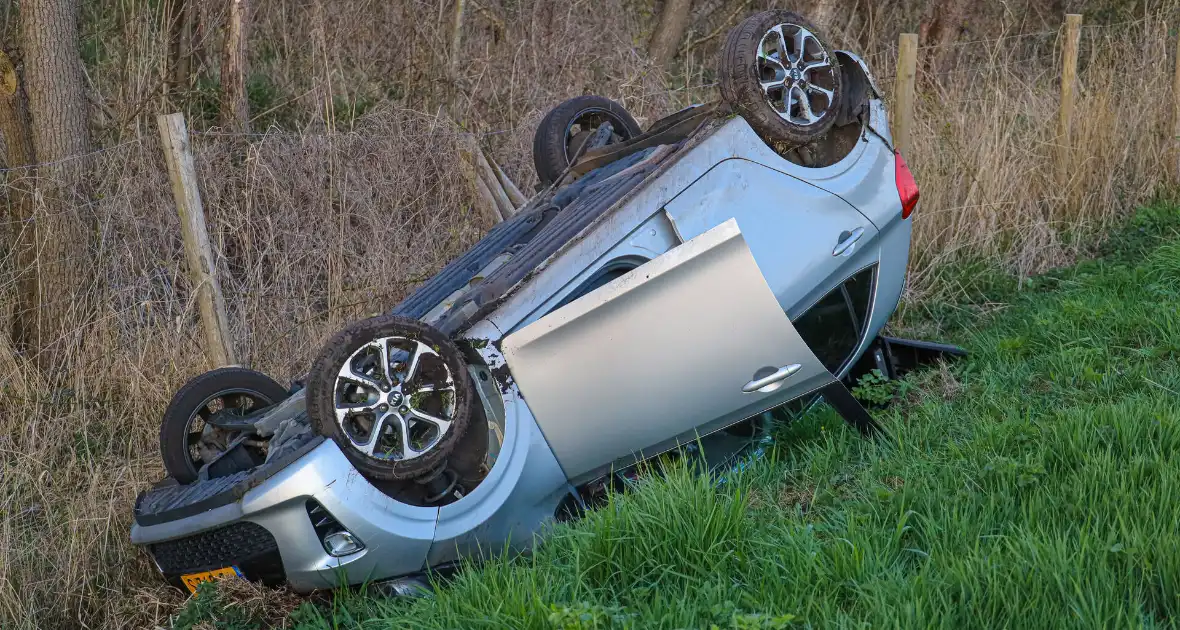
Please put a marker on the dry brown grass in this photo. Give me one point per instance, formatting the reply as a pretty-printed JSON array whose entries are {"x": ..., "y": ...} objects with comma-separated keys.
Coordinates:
[
  {"x": 314, "y": 231},
  {"x": 342, "y": 218},
  {"x": 985, "y": 147}
]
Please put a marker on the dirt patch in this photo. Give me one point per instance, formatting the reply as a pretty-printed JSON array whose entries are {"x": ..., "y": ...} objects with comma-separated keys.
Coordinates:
[{"x": 790, "y": 498}]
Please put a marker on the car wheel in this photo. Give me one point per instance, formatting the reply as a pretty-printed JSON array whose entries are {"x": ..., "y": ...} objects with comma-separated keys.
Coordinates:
[
  {"x": 393, "y": 393},
  {"x": 781, "y": 76},
  {"x": 568, "y": 126},
  {"x": 187, "y": 440}
]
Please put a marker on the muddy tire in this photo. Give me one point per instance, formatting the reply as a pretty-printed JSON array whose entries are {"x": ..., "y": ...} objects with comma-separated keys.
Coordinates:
[
  {"x": 567, "y": 126},
  {"x": 397, "y": 421},
  {"x": 787, "y": 88},
  {"x": 183, "y": 427}
]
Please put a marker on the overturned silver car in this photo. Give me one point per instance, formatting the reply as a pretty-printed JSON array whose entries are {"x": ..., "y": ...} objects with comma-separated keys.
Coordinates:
[{"x": 666, "y": 287}]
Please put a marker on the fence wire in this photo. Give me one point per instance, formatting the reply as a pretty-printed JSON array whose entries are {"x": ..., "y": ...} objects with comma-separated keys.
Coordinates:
[{"x": 15, "y": 182}]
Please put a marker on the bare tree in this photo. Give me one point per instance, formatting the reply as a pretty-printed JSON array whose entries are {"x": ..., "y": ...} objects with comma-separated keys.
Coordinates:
[
  {"x": 56, "y": 88},
  {"x": 181, "y": 16},
  {"x": 18, "y": 152},
  {"x": 665, "y": 41},
  {"x": 457, "y": 34},
  {"x": 60, "y": 132},
  {"x": 822, "y": 13},
  {"x": 235, "y": 108},
  {"x": 940, "y": 27}
]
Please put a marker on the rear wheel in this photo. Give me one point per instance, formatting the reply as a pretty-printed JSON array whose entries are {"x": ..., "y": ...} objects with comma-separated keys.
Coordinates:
[
  {"x": 394, "y": 394},
  {"x": 780, "y": 75},
  {"x": 568, "y": 126},
  {"x": 187, "y": 439}
]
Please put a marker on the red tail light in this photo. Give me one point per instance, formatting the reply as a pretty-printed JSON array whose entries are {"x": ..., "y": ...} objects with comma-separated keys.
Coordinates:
[{"x": 907, "y": 188}]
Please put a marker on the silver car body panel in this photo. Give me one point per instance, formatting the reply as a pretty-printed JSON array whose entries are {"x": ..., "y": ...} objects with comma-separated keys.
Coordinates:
[
  {"x": 521, "y": 492},
  {"x": 707, "y": 217},
  {"x": 704, "y": 310},
  {"x": 793, "y": 228}
]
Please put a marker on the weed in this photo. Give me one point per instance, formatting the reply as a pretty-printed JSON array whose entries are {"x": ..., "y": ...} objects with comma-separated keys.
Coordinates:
[{"x": 879, "y": 390}]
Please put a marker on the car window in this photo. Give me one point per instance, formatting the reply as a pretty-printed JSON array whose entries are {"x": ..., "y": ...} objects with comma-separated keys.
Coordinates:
[
  {"x": 615, "y": 269},
  {"x": 833, "y": 327}
]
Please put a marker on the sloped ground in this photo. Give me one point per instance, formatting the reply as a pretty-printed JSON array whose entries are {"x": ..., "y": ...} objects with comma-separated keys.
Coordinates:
[{"x": 1033, "y": 485}]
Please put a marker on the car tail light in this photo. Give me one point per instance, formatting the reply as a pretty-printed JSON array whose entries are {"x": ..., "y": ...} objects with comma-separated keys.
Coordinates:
[{"x": 907, "y": 188}]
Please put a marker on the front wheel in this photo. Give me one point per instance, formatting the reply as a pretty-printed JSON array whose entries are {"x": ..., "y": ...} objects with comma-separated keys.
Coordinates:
[{"x": 394, "y": 394}]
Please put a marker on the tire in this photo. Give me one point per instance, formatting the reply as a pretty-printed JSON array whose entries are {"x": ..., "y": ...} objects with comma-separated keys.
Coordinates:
[
  {"x": 354, "y": 345},
  {"x": 175, "y": 446},
  {"x": 742, "y": 72},
  {"x": 554, "y": 144}
]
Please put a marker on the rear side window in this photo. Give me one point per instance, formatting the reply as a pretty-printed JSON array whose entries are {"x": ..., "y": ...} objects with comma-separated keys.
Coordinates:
[
  {"x": 835, "y": 325},
  {"x": 615, "y": 269}
]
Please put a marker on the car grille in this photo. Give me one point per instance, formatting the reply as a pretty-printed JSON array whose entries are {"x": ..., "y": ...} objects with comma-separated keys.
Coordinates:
[{"x": 246, "y": 545}]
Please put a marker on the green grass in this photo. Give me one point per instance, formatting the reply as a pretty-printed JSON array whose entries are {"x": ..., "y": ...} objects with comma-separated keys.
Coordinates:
[{"x": 1035, "y": 484}]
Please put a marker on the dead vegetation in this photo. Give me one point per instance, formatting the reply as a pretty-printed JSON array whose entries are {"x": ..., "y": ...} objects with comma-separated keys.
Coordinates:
[{"x": 341, "y": 214}]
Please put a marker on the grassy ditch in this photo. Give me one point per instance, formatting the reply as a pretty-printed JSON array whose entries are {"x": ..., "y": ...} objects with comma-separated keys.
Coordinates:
[{"x": 1031, "y": 485}]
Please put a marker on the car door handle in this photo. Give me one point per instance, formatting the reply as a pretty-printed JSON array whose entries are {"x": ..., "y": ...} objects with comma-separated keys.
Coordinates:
[
  {"x": 780, "y": 374},
  {"x": 847, "y": 240}
]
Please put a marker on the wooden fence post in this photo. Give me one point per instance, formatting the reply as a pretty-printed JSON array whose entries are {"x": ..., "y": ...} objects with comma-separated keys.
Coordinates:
[
  {"x": 1069, "y": 75},
  {"x": 457, "y": 34},
  {"x": 903, "y": 91},
  {"x": 1176, "y": 114},
  {"x": 199, "y": 254}
]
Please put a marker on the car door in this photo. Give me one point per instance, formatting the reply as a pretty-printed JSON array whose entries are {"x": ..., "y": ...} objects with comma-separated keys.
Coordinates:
[
  {"x": 687, "y": 343},
  {"x": 806, "y": 240}
]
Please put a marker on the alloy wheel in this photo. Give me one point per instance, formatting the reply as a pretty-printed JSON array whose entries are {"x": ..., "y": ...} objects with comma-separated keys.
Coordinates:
[
  {"x": 796, "y": 74},
  {"x": 394, "y": 399}
]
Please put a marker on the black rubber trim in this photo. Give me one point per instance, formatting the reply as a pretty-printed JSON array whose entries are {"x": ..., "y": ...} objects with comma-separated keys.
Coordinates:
[
  {"x": 905, "y": 355},
  {"x": 171, "y": 503},
  {"x": 571, "y": 192},
  {"x": 459, "y": 272},
  {"x": 667, "y": 122},
  {"x": 842, "y": 400},
  {"x": 673, "y": 133}
]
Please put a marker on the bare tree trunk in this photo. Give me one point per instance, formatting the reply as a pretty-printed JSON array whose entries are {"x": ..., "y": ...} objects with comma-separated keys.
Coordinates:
[
  {"x": 61, "y": 134},
  {"x": 822, "y": 13},
  {"x": 235, "y": 108},
  {"x": 18, "y": 145},
  {"x": 56, "y": 86},
  {"x": 665, "y": 41},
  {"x": 181, "y": 14},
  {"x": 457, "y": 34},
  {"x": 944, "y": 19}
]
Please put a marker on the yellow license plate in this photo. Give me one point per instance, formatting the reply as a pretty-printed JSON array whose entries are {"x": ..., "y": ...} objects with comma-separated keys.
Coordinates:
[{"x": 191, "y": 580}]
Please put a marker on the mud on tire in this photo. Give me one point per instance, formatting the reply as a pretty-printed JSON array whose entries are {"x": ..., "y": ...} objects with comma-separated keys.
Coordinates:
[
  {"x": 767, "y": 84},
  {"x": 399, "y": 420}
]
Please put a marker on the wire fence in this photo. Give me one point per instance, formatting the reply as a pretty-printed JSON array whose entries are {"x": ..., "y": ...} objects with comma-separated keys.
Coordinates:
[
  {"x": 443, "y": 129},
  {"x": 287, "y": 268}
]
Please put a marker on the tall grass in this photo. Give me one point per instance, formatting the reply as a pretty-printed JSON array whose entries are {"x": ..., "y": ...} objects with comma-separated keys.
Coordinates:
[
  {"x": 1029, "y": 485},
  {"x": 986, "y": 149},
  {"x": 341, "y": 214}
]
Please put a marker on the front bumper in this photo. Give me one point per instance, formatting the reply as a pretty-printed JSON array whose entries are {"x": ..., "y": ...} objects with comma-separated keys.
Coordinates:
[
  {"x": 272, "y": 505},
  {"x": 269, "y": 534}
]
